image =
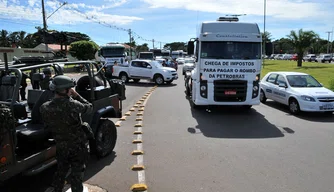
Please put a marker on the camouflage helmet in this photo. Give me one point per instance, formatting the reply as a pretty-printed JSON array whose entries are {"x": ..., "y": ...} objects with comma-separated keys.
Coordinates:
[
  {"x": 61, "y": 82},
  {"x": 47, "y": 70}
]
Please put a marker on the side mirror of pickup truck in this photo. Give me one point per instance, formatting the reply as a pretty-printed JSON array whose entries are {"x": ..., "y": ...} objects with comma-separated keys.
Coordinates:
[{"x": 149, "y": 67}]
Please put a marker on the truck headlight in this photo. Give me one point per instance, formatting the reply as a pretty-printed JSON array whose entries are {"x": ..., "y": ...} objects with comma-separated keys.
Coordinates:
[
  {"x": 307, "y": 98},
  {"x": 203, "y": 88}
]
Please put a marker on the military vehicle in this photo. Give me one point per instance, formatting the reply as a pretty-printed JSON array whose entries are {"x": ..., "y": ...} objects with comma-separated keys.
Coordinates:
[{"x": 27, "y": 146}]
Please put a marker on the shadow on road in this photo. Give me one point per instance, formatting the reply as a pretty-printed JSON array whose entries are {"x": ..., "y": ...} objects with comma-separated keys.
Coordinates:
[
  {"x": 309, "y": 116},
  {"x": 140, "y": 84},
  {"x": 40, "y": 182},
  {"x": 233, "y": 122}
]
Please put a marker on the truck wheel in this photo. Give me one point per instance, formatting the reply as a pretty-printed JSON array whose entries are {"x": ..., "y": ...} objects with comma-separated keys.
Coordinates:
[
  {"x": 105, "y": 138},
  {"x": 136, "y": 80},
  {"x": 158, "y": 79},
  {"x": 124, "y": 77}
]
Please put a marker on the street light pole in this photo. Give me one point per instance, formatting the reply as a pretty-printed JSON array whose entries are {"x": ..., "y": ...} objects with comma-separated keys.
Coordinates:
[{"x": 264, "y": 30}]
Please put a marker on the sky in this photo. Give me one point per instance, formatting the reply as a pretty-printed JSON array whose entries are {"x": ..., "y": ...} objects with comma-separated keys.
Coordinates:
[{"x": 165, "y": 21}]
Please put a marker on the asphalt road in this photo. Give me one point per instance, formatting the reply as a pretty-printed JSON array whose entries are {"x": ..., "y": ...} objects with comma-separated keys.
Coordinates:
[{"x": 264, "y": 149}]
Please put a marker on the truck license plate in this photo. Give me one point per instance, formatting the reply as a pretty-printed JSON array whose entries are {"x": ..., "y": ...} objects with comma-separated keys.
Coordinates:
[{"x": 230, "y": 92}]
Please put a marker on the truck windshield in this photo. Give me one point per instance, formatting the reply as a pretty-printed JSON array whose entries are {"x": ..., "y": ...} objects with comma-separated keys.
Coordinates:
[
  {"x": 113, "y": 52},
  {"x": 146, "y": 55},
  {"x": 156, "y": 63},
  {"x": 231, "y": 50}
]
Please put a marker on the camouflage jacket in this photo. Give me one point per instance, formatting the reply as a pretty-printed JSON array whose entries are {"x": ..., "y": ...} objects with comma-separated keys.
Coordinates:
[{"x": 63, "y": 117}]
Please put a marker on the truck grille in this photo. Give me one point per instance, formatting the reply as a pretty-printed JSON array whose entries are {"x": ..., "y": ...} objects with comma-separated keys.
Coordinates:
[
  {"x": 326, "y": 99},
  {"x": 221, "y": 86}
]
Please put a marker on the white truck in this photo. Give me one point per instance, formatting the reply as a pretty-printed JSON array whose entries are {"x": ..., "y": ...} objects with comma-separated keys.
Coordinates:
[
  {"x": 228, "y": 64},
  {"x": 146, "y": 55},
  {"x": 145, "y": 69}
]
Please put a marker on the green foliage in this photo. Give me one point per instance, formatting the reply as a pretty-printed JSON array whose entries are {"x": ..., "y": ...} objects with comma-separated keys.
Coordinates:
[
  {"x": 176, "y": 46},
  {"x": 331, "y": 84},
  {"x": 84, "y": 50}
]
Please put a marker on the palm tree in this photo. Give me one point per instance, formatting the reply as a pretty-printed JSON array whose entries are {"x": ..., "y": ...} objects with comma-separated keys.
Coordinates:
[
  {"x": 301, "y": 41},
  {"x": 4, "y": 39}
]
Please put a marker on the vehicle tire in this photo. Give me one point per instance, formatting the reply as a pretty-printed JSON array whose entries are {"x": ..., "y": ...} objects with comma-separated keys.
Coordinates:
[
  {"x": 188, "y": 92},
  {"x": 124, "y": 77},
  {"x": 158, "y": 79},
  {"x": 83, "y": 83},
  {"x": 169, "y": 82},
  {"x": 136, "y": 80},
  {"x": 263, "y": 97},
  {"x": 294, "y": 106},
  {"x": 105, "y": 138},
  {"x": 247, "y": 107}
]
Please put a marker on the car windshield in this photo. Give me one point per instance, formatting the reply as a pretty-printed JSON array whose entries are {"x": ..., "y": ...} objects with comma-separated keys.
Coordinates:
[
  {"x": 156, "y": 63},
  {"x": 231, "y": 50},
  {"x": 302, "y": 81}
]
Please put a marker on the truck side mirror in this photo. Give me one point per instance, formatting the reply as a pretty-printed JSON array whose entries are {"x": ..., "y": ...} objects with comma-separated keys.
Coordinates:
[{"x": 190, "y": 47}]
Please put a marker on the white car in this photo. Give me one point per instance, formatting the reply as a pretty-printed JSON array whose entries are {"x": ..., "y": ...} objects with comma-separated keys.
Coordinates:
[
  {"x": 145, "y": 69},
  {"x": 189, "y": 65},
  {"x": 299, "y": 91}
]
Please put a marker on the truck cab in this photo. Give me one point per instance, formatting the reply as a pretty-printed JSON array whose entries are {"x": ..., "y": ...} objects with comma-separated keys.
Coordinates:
[{"x": 228, "y": 64}]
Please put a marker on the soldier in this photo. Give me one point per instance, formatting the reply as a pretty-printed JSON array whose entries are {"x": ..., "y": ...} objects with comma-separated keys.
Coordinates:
[
  {"x": 47, "y": 78},
  {"x": 63, "y": 116}
]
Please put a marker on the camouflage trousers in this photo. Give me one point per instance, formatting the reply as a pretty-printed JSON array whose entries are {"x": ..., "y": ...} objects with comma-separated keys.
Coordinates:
[{"x": 72, "y": 157}]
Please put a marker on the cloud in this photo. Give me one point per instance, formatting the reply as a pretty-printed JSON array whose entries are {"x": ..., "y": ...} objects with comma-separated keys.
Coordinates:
[
  {"x": 68, "y": 14},
  {"x": 280, "y": 9}
]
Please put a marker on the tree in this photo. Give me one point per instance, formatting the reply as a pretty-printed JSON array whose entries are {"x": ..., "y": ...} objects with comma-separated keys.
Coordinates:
[
  {"x": 301, "y": 41},
  {"x": 4, "y": 39},
  {"x": 266, "y": 37},
  {"x": 133, "y": 42},
  {"x": 84, "y": 50},
  {"x": 142, "y": 48},
  {"x": 176, "y": 46}
]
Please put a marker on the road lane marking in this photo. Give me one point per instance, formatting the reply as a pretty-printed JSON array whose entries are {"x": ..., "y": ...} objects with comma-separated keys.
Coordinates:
[
  {"x": 132, "y": 109},
  {"x": 137, "y": 152},
  {"x": 128, "y": 113},
  {"x": 137, "y": 167},
  {"x": 141, "y": 186},
  {"x": 118, "y": 123},
  {"x": 123, "y": 118}
]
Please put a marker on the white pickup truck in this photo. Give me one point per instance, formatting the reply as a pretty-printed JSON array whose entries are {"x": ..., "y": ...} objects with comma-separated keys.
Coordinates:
[{"x": 145, "y": 69}]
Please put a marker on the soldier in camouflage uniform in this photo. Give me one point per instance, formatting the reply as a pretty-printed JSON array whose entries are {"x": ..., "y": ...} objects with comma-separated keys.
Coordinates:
[
  {"x": 63, "y": 116},
  {"x": 47, "y": 78}
]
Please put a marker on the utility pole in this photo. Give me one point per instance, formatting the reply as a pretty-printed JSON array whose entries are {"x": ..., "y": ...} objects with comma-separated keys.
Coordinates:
[
  {"x": 44, "y": 27},
  {"x": 329, "y": 32},
  {"x": 153, "y": 43},
  {"x": 264, "y": 30},
  {"x": 130, "y": 35}
]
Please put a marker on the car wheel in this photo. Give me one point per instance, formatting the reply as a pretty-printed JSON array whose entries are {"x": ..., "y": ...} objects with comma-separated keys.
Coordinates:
[
  {"x": 124, "y": 77},
  {"x": 263, "y": 97},
  {"x": 159, "y": 80},
  {"x": 294, "y": 106}
]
